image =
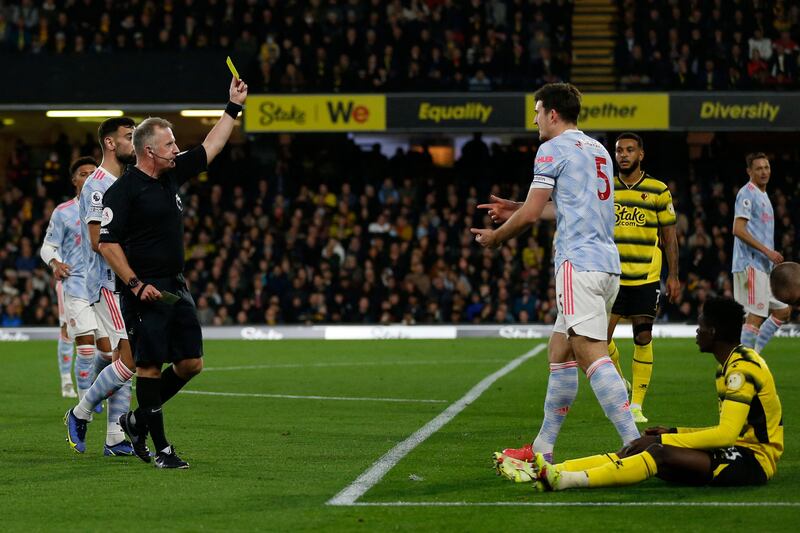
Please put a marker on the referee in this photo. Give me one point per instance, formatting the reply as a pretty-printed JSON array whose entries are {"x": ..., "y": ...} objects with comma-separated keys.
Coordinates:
[{"x": 141, "y": 237}]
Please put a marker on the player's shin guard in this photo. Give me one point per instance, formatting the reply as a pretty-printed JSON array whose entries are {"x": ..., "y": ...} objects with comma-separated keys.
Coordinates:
[
  {"x": 110, "y": 380},
  {"x": 765, "y": 333},
  {"x": 628, "y": 471},
  {"x": 118, "y": 403},
  {"x": 148, "y": 394},
  {"x": 749, "y": 335},
  {"x": 83, "y": 368},
  {"x": 642, "y": 372},
  {"x": 562, "y": 387},
  {"x": 65, "y": 352},
  {"x": 610, "y": 392}
]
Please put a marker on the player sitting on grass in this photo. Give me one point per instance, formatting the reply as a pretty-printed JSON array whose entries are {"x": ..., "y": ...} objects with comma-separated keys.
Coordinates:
[{"x": 742, "y": 449}]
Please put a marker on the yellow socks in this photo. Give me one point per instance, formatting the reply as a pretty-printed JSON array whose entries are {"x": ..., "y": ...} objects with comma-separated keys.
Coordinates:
[
  {"x": 613, "y": 353},
  {"x": 628, "y": 471},
  {"x": 642, "y": 371},
  {"x": 585, "y": 463}
]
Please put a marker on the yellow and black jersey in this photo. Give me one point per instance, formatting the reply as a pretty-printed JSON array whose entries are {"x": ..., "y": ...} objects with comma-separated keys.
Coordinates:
[
  {"x": 641, "y": 210},
  {"x": 750, "y": 412}
]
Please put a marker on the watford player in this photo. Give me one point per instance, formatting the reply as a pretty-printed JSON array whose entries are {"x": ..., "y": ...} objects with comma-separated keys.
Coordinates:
[
  {"x": 743, "y": 449},
  {"x": 645, "y": 218}
]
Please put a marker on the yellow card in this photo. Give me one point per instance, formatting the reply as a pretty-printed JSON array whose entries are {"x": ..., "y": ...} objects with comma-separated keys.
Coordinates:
[{"x": 232, "y": 68}]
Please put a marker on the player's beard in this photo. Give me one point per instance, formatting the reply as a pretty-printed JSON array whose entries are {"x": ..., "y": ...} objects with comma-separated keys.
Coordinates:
[
  {"x": 634, "y": 167},
  {"x": 128, "y": 159}
]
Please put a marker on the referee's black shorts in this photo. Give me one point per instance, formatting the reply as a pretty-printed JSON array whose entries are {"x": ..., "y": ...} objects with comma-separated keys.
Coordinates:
[
  {"x": 161, "y": 332},
  {"x": 637, "y": 300}
]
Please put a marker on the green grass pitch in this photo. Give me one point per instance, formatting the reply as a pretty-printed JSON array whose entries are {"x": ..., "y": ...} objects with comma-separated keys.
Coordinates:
[{"x": 324, "y": 412}]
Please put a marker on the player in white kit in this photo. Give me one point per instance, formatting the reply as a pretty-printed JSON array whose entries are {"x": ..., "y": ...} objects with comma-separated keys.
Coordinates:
[
  {"x": 113, "y": 378},
  {"x": 66, "y": 346},
  {"x": 754, "y": 256},
  {"x": 576, "y": 171},
  {"x": 61, "y": 251}
]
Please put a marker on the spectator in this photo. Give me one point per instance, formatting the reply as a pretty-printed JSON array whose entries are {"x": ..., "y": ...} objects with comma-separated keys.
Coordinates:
[
  {"x": 757, "y": 68},
  {"x": 782, "y": 66}
]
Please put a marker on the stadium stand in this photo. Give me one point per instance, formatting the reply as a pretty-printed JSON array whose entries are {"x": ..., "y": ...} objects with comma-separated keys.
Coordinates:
[
  {"x": 347, "y": 46},
  {"x": 705, "y": 46},
  {"x": 342, "y": 233}
]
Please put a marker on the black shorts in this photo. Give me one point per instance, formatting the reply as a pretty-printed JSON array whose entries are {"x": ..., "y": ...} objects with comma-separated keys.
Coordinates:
[
  {"x": 736, "y": 465},
  {"x": 637, "y": 300},
  {"x": 160, "y": 332}
]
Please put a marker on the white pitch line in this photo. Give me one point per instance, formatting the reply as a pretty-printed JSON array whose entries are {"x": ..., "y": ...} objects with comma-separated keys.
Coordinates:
[
  {"x": 575, "y": 504},
  {"x": 350, "y": 494},
  {"x": 298, "y": 397},
  {"x": 358, "y": 363}
]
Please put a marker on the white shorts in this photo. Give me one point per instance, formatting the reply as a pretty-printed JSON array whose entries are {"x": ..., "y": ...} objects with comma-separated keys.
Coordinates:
[
  {"x": 751, "y": 289},
  {"x": 81, "y": 319},
  {"x": 62, "y": 319},
  {"x": 109, "y": 316},
  {"x": 584, "y": 301}
]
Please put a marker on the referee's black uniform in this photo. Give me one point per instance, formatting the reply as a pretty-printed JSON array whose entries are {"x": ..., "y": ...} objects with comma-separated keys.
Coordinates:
[{"x": 144, "y": 215}]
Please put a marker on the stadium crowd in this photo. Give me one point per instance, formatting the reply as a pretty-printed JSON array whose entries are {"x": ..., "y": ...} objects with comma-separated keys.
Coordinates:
[
  {"x": 315, "y": 229},
  {"x": 319, "y": 45},
  {"x": 680, "y": 45}
]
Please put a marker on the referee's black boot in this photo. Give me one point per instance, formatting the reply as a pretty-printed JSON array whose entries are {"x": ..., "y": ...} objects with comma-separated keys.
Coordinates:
[
  {"x": 138, "y": 441},
  {"x": 169, "y": 459}
]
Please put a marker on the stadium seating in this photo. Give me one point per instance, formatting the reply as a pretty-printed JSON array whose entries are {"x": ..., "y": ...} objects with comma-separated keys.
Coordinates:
[
  {"x": 341, "y": 233},
  {"x": 747, "y": 45},
  {"x": 350, "y": 46}
]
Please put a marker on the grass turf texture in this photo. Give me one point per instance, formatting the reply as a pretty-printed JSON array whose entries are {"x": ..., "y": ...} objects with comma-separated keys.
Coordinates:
[{"x": 272, "y": 463}]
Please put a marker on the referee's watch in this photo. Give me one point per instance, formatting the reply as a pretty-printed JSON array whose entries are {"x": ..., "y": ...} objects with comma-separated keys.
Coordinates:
[{"x": 133, "y": 283}]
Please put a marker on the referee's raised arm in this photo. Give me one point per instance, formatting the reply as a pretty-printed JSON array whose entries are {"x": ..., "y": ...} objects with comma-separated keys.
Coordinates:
[{"x": 218, "y": 136}]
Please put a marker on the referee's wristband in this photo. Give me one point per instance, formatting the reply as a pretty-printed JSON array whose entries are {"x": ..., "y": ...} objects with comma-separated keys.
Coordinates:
[{"x": 233, "y": 109}]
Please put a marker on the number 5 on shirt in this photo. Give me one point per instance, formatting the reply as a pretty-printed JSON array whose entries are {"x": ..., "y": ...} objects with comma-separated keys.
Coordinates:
[{"x": 602, "y": 194}]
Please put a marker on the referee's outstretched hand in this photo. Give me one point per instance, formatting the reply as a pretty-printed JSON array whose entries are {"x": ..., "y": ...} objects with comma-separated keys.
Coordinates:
[
  {"x": 238, "y": 91},
  {"x": 149, "y": 294}
]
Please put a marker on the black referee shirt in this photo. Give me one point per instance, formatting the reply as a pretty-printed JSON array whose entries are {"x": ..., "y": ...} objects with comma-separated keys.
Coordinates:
[{"x": 145, "y": 216}]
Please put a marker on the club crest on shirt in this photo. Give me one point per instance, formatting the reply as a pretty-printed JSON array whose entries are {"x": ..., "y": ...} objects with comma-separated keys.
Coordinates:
[
  {"x": 108, "y": 216},
  {"x": 179, "y": 202}
]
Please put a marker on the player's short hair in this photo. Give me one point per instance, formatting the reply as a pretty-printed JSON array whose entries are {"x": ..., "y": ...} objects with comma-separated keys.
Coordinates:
[
  {"x": 632, "y": 136},
  {"x": 564, "y": 98},
  {"x": 785, "y": 282},
  {"x": 752, "y": 156},
  {"x": 726, "y": 316},
  {"x": 143, "y": 135},
  {"x": 78, "y": 163},
  {"x": 111, "y": 125}
]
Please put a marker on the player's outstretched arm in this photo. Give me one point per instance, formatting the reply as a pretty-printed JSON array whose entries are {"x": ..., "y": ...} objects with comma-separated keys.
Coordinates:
[
  {"x": 501, "y": 209},
  {"x": 732, "y": 418},
  {"x": 519, "y": 221},
  {"x": 218, "y": 136}
]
